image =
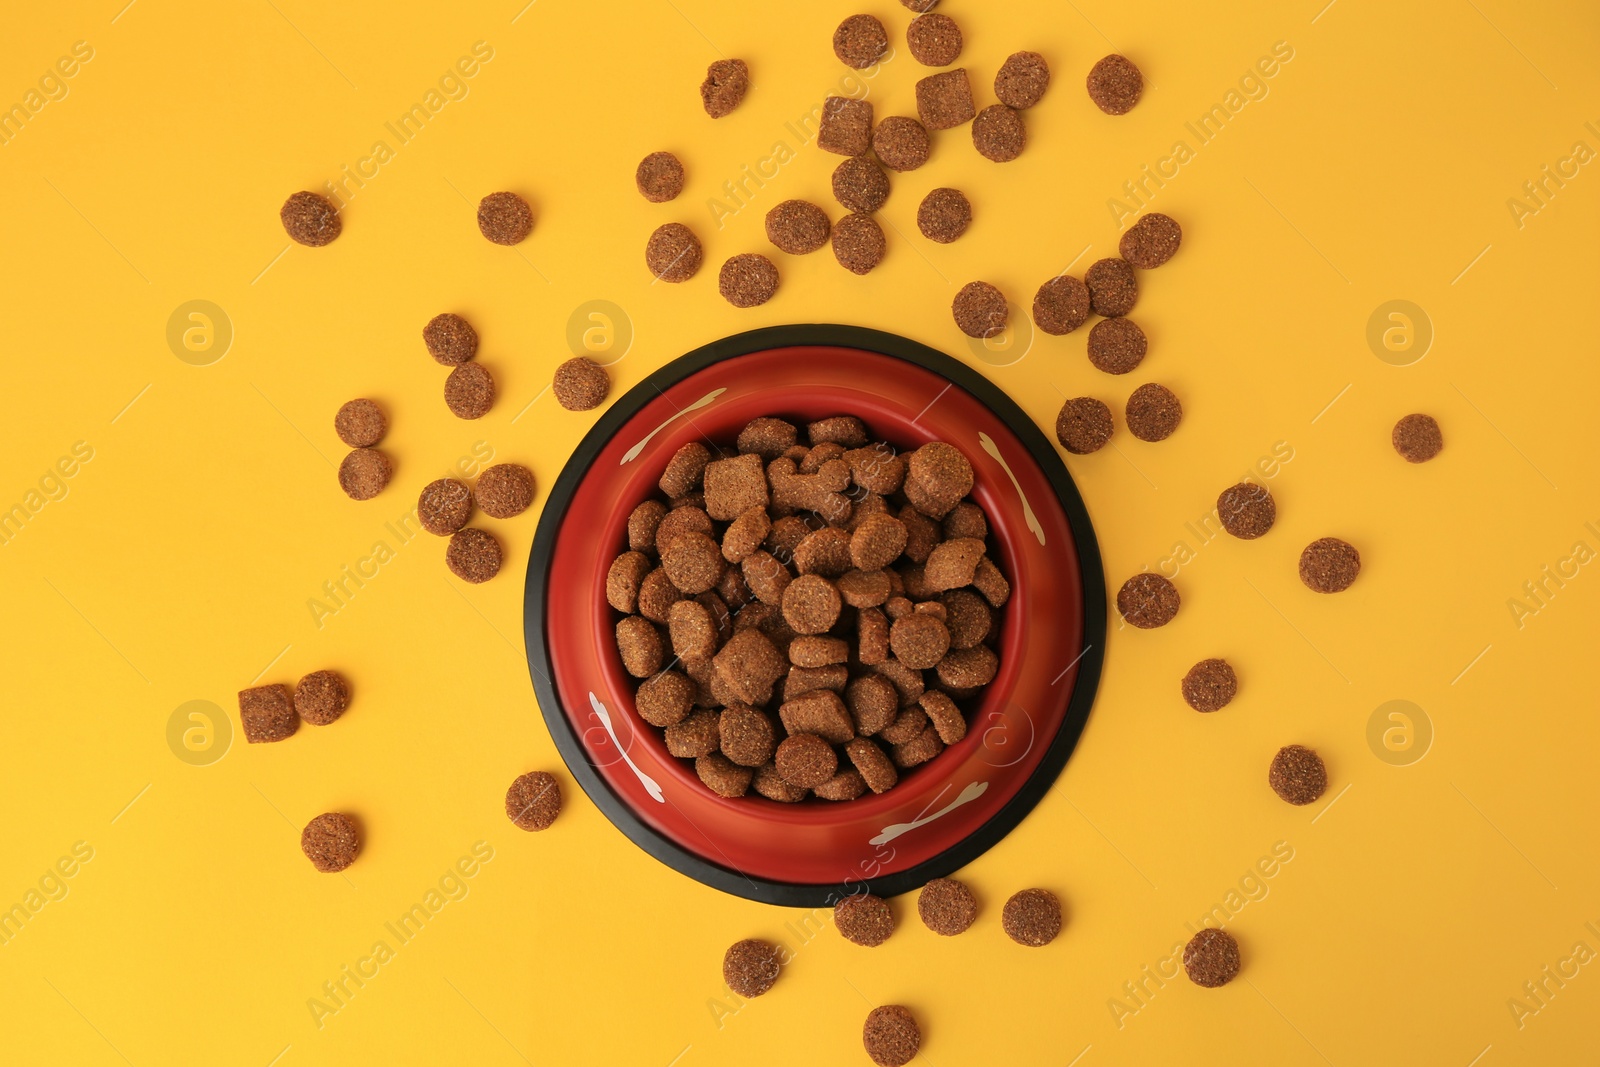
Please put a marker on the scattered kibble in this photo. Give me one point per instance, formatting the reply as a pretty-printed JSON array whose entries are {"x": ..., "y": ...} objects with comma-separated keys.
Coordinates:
[
  {"x": 901, "y": 143},
  {"x": 580, "y": 384},
  {"x": 1210, "y": 685},
  {"x": 1211, "y": 958},
  {"x": 1153, "y": 412},
  {"x": 444, "y": 506},
  {"x": 747, "y": 280},
  {"x": 864, "y": 919},
  {"x": 1297, "y": 774},
  {"x": 469, "y": 391},
  {"x": 946, "y": 906},
  {"x": 944, "y": 101},
  {"x": 1022, "y": 80},
  {"x": 1117, "y": 346},
  {"x": 1032, "y": 917},
  {"x": 360, "y": 423},
  {"x": 310, "y": 219},
  {"x": 267, "y": 714},
  {"x": 797, "y": 227},
  {"x": 1329, "y": 565},
  {"x": 727, "y": 80},
  {"x": 659, "y": 177},
  {"x": 1115, "y": 85},
  {"x": 891, "y": 1035},
  {"x": 980, "y": 310},
  {"x": 504, "y": 218},
  {"x": 534, "y": 800},
  {"x": 1246, "y": 510},
  {"x": 473, "y": 555},
  {"x": 1113, "y": 290},
  {"x": 750, "y": 967},
  {"x": 860, "y": 41},
  {"x": 450, "y": 339},
  {"x": 1147, "y": 600},
  {"x": 1151, "y": 241},
  {"x": 321, "y": 697},
  {"x": 944, "y": 215},
  {"x": 997, "y": 133},
  {"x": 1417, "y": 438},
  {"x": 330, "y": 842},
  {"x": 934, "y": 40},
  {"x": 1083, "y": 425},
  {"x": 673, "y": 253},
  {"x": 504, "y": 490},
  {"x": 860, "y": 185},
  {"x": 364, "y": 473},
  {"x": 846, "y": 126},
  {"x": 858, "y": 243}
]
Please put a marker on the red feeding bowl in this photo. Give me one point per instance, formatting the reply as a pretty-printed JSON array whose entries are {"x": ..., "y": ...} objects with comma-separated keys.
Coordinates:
[{"x": 1022, "y": 727}]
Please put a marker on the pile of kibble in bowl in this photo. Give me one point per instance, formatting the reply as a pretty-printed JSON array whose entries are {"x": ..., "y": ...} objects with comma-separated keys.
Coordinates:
[{"x": 808, "y": 614}]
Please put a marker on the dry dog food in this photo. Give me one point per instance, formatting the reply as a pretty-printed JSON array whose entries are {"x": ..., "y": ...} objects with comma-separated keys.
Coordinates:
[
  {"x": 534, "y": 800},
  {"x": 1417, "y": 438},
  {"x": 330, "y": 842},
  {"x": 864, "y": 919},
  {"x": 1297, "y": 774},
  {"x": 444, "y": 506},
  {"x": 797, "y": 227},
  {"x": 1153, "y": 412},
  {"x": 947, "y": 906},
  {"x": 846, "y": 126},
  {"x": 504, "y": 490},
  {"x": 310, "y": 219},
  {"x": 1083, "y": 425},
  {"x": 727, "y": 80},
  {"x": 944, "y": 101},
  {"x": 860, "y": 185},
  {"x": 1032, "y": 917},
  {"x": 1329, "y": 565},
  {"x": 748, "y": 280},
  {"x": 580, "y": 384},
  {"x": 1246, "y": 510},
  {"x": 980, "y": 310},
  {"x": 1115, "y": 85},
  {"x": 860, "y": 41},
  {"x": 321, "y": 697},
  {"x": 504, "y": 218},
  {"x": 469, "y": 391},
  {"x": 1061, "y": 305},
  {"x": 997, "y": 133},
  {"x": 659, "y": 177},
  {"x": 901, "y": 143},
  {"x": 364, "y": 472},
  {"x": 858, "y": 243},
  {"x": 1113, "y": 290},
  {"x": 1210, "y": 685},
  {"x": 673, "y": 253},
  {"x": 1151, "y": 241},
  {"x": 750, "y": 967},
  {"x": 920, "y": 6},
  {"x": 267, "y": 714},
  {"x": 1117, "y": 346},
  {"x": 944, "y": 215},
  {"x": 451, "y": 340},
  {"x": 1211, "y": 958},
  {"x": 1022, "y": 80},
  {"x": 473, "y": 555},
  {"x": 829, "y": 639},
  {"x": 360, "y": 423},
  {"x": 891, "y": 1035},
  {"x": 934, "y": 40},
  {"x": 1147, "y": 600}
]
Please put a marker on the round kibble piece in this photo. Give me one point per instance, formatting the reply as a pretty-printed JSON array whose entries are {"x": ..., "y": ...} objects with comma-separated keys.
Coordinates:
[
  {"x": 694, "y": 736},
  {"x": 1113, "y": 290},
  {"x": 693, "y": 561},
  {"x": 1084, "y": 425},
  {"x": 1211, "y": 958},
  {"x": 444, "y": 506},
  {"x": 469, "y": 391},
  {"x": 860, "y": 185},
  {"x": 1246, "y": 510},
  {"x": 845, "y": 785},
  {"x": 748, "y": 736},
  {"x": 1297, "y": 774},
  {"x": 944, "y": 100},
  {"x": 980, "y": 310},
  {"x": 858, "y": 243},
  {"x": 364, "y": 473},
  {"x": 967, "y": 618},
  {"x": 901, "y": 143},
  {"x": 1147, "y": 600},
  {"x": 919, "y": 641},
  {"x": 451, "y": 340},
  {"x": 919, "y": 6},
  {"x": 640, "y": 646},
  {"x": 1210, "y": 685},
  {"x": 891, "y": 1036},
  {"x": 504, "y": 218},
  {"x": 1061, "y": 305},
  {"x": 1117, "y": 346},
  {"x": 877, "y": 542},
  {"x": 665, "y": 698},
  {"x": 944, "y": 215},
  {"x": 997, "y": 134},
  {"x": 747, "y": 280},
  {"x": 806, "y": 760},
  {"x": 864, "y": 919},
  {"x": 1329, "y": 565},
  {"x": 797, "y": 227},
  {"x": 1115, "y": 85},
  {"x": 727, "y": 80},
  {"x": 934, "y": 40},
  {"x": 580, "y": 384},
  {"x": 1153, "y": 412},
  {"x": 360, "y": 423},
  {"x": 750, "y": 967},
  {"x": 860, "y": 41},
  {"x": 330, "y": 842},
  {"x": 504, "y": 490},
  {"x": 1032, "y": 917},
  {"x": 873, "y": 703},
  {"x": 534, "y": 800},
  {"x": 1151, "y": 241},
  {"x": 659, "y": 177},
  {"x": 266, "y": 713},
  {"x": 673, "y": 253},
  {"x": 321, "y": 697},
  {"x": 1417, "y": 438},
  {"x": 310, "y": 219},
  {"x": 968, "y": 668},
  {"x": 772, "y": 785},
  {"x": 473, "y": 555},
  {"x": 1022, "y": 80},
  {"x": 723, "y": 776},
  {"x": 942, "y": 471},
  {"x": 877, "y": 769},
  {"x": 947, "y": 906},
  {"x": 811, "y": 604}
]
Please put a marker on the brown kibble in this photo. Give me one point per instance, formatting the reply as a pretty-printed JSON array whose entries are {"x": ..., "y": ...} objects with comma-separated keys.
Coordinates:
[
  {"x": 692, "y": 631},
  {"x": 580, "y": 384},
  {"x": 1210, "y": 685},
  {"x": 747, "y": 280},
  {"x": 824, "y": 552},
  {"x": 872, "y": 633},
  {"x": 812, "y": 651},
  {"x": 1032, "y": 917},
  {"x": 967, "y": 520},
  {"x": 749, "y": 664},
  {"x": 858, "y": 243},
  {"x": 873, "y": 703},
  {"x": 766, "y": 577},
  {"x": 665, "y": 698},
  {"x": 745, "y": 534},
  {"x": 967, "y": 618},
  {"x": 919, "y": 641},
  {"x": 640, "y": 646},
  {"x": 988, "y": 580},
  {"x": 473, "y": 555},
  {"x": 967, "y": 668},
  {"x": 734, "y": 486},
  {"x": 727, "y": 80},
  {"x": 767, "y": 437},
  {"x": 469, "y": 391},
  {"x": 864, "y": 919},
  {"x": 1151, "y": 241},
  {"x": 360, "y": 423},
  {"x": 310, "y": 219},
  {"x": 1113, "y": 289},
  {"x": 330, "y": 842},
  {"x": 748, "y": 736},
  {"x": 1115, "y": 85},
  {"x": 1246, "y": 510},
  {"x": 890, "y": 1034},
  {"x": 684, "y": 469},
  {"x": 364, "y": 472},
  {"x": 1061, "y": 305},
  {"x": 803, "y": 680},
  {"x": 450, "y": 339},
  {"x": 534, "y": 800},
  {"x": 321, "y": 697},
  {"x": 998, "y": 135},
  {"x": 860, "y": 41},
  {"x": 876, "y": 469},
  {"x": 1417, "y": 438},
  {"x": 504, "y": 218},
  {"x": 1117, "y": 346},
  {"x": 846, "y": 126},
  {"x": 504, "y": 490},
  {"x": 860, "y": 185},
  {"x": 953, "y": 564},
  {"x": 1329, "y": 565},
  {"x": 695, "y": 736},
  {"x": 845, "y": 430},
  {"x": 947, "y": 906},
  {"x": 1084, "y": 425},
  {"x": 946, "y": 718},
  {"x": 1211, "y": 957},
  {"x": 774, "y": 786},
  {"x": 806, "y": 760},
  {"x": 934, "y": 40},
  {"x": 877, "y": 542},
  {"x": 673, "y": 253},
  {"x": 846, "y": 784},
  {"x": 1153, "y": 412},
  {"x": 944, "y": 101},
  {"x": 657, "y": 594},
  {"x": 920, "y": 6},
  {"x": 811, "y": 604},
  {"x": 1022, "y": 80},
  {"x": 918, "y": 750},
  {"x": 444, "y": 506},
  {"x": 722, "y": 776},
  {"x": 908, "y": 724},
  {"x": 942, "y": 474},
  {"x": 751, "y": 967},
  {"x": 944, "y": 215},
  {"x": 659, "y": 177},
  {"x": 693, "y": 561},
  {"x": 1147, "y": 600},
  {"x": 980, "y": 310},
  {"x": 681, "y": 520},
  {"x": 901, "y": 143},
  {"x": 267, "y": 714},
  {"x": 863, "y": 589},
  {"x": 876, "y": 769},
  {"x": 797, "y": 227}
]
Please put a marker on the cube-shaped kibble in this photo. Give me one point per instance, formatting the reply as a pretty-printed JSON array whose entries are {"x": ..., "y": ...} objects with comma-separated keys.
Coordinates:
[
  {"x": 944, "y": 100},
  {"x": 734, "y": 486},
  {"x": 847, "y": 124},
  {"x": 267, "y": 713}
]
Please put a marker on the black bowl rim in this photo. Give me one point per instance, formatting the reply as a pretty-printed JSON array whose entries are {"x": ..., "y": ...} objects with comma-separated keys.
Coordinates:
[{"x": 962, "y": 852}]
